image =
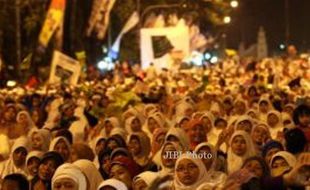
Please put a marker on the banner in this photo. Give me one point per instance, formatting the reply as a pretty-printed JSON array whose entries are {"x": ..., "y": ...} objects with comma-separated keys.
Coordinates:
[
  {"x": 64, "y": 69},
  {"x": 53, "y": 21},
  {"x": 132, "y": 22},
  {"x": 100, "y": 17},
  {"x": 164, "y": 46}
]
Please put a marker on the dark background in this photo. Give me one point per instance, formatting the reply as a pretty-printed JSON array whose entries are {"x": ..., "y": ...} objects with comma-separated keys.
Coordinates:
[{"x": 271, "y": 15}]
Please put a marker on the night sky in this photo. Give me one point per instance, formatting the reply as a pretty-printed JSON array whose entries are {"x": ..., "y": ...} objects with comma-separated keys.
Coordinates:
[{"x": 271, "y": 15}]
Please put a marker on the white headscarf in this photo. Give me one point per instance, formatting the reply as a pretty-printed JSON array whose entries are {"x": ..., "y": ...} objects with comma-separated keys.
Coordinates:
[
  {"x": 201, "y": 177},
  {"x": 72, "y": 172},
  {"x": 91, "y": 172},
  {"x": 147, "y": 176},
  {"x": 244, "y": 118},
  {"x": 279, "y": 126},
  {"x": 262, "y": 116},
  {"x": 33, "y": 154},
  {"x": 180, "y": 135},
  {"x": 45, "y": 135},
  {"x": 30, "y": 121},
  {"x": 234, "y": 162},
  {"x": 212, "y": 149},
  {"x": 288, "y": 157},
  {"x": 113, "y": 183},
  {"x": 8, "y": 167},
  {"x": 93, "y": 145},
  {"x": 114, "y": 122},
  {"x": 56, "y": 140},
  {"x": 128, "y": 124}
]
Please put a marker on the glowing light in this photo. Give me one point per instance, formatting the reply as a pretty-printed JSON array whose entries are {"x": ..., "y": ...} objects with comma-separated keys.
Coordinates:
[
  {"x": 234, "y": 4},
  {"x": 214, "y": 60},
  {"x": 208, "y": 56},
  {"x": 227, "y": 19},
  {"x": 11, "y": 83},
  {"x": 102, "y": 65},
  {"x": 282, "y": 46}
]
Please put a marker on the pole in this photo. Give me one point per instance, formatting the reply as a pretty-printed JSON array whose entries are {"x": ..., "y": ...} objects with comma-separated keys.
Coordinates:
[{"x": 287, "y": 22}]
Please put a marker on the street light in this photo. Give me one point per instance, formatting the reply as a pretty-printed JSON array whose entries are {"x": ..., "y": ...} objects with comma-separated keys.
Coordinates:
[
  {"x": 234, "y": 4},
  {"x": 227, "y": 19}
]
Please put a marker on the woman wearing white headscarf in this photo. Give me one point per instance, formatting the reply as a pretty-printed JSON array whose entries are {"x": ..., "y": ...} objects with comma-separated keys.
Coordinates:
[
  {"x": 210, "y": 160},
  {"x": 264, "y": 106},
  {"x": 17, "y": 160},
  {"x": 40, "y": 139},
  {"x": 184, "y": 109},
  {"x": 152, "y": 122},
  {"x": 274, "y": 121},
  {"x": 144, "y": 180},
  {"x": 281, "y": 163},
  {"x": 24, "y": 124},
  {"x": 32, "y": 163},
  {"x": 260, "y": 135},
  {"x": 244, "y": 123},
  {"x": 133, "y": 124},
  {"x": 190, "y": 173},
  {"x": 241, "y": 148},
  {"x": 109, "y": 125},
  {"x": 62, "y": 146},
  {"x": 178, "y": 135},
  {"x": 97, "y": 145},
  {"x": 213, "y": 133},
  {"x": 112, "y": 184},
  {"x": 69, "y": 174},
  {"x": 92, "y": 174}
]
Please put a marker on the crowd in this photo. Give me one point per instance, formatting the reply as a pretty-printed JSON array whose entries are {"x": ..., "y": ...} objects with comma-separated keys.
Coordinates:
[{"x": 238, "y": 124}]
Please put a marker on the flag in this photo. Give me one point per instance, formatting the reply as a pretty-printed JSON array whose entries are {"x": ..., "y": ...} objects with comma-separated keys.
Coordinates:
[
  {"x": 132, "y": 22},
  {"x": 100, "y": 17},
  {"x": 161, "y": 46},
  {"x": 53, "y": 21},
  {"x": 64, "y": 69}
]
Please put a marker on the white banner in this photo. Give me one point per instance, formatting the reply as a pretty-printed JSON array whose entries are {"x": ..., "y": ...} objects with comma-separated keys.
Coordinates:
[
  {"x": 177, "y": 36},
  {"x": 100, "y": 17},
  {"x": 64, "y": 69}
]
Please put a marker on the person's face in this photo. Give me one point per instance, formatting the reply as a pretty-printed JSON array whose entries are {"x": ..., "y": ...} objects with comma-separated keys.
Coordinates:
[
  {"x": 112, "y": 144},
  {"x": 122, "y": 174},
  {"x": 263, "y": 107},
  {"x": 252, "y": 92},
  {"x": 65, "y": 184},
  {"x": 245, "y": 126},
  {"x": 47, "y": 170},
  {"x": 187, "y": 172},
  {"x": 207, "y": 123},
  {"x": 33, "y": 166},
  {"x": 100, "y": 146},
  {"x": 106, "y": 163},
  {"x": 207, "y": 161},
  {"x": 227, "y": 105},
  {"x": 69, "y": 112},
  {"x": 19, "y": 156},
  {"x": 37, "y": 141},
  {"x": 140, "y": 185},
  {"x": 134, "y": 146},
  {"x": 279, "y": 167},
  {"x": 189, "y": 112},
  {"x": 152, "y": 125},
  {"x": 221, "y": 124},
  {"x": 198, "y": 134},
  {"x": 252, "y": 115},
  {"x": 238, "y": 145},
  {"x": 10, "y": 184},
  {"x": 272, "y": 120},
  {"x": 270, "y": 153},
  {"x": 62, "y": 148},
  {"x": 35, "y": 116},
  {"x": 108, "y": 127},
  {"x": 288, "y": 109},
  {"x": 35, "y": 102},
  {"x": 73, "y": 155},
  {"x": 240, "y": 108},
  {"x": 168, "y": 162},
  {"x": 135, "y": 125},
  {"x": 254, "y": 167},
  {"x": 160, "y": 139},
  {"x": 10, "y": 114},
  {"x": 259, "y": 135},
  {"x": 22, "y": 119},
  {"x": 304, "y": 120},
  {"x": 183, "y": 123}
]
